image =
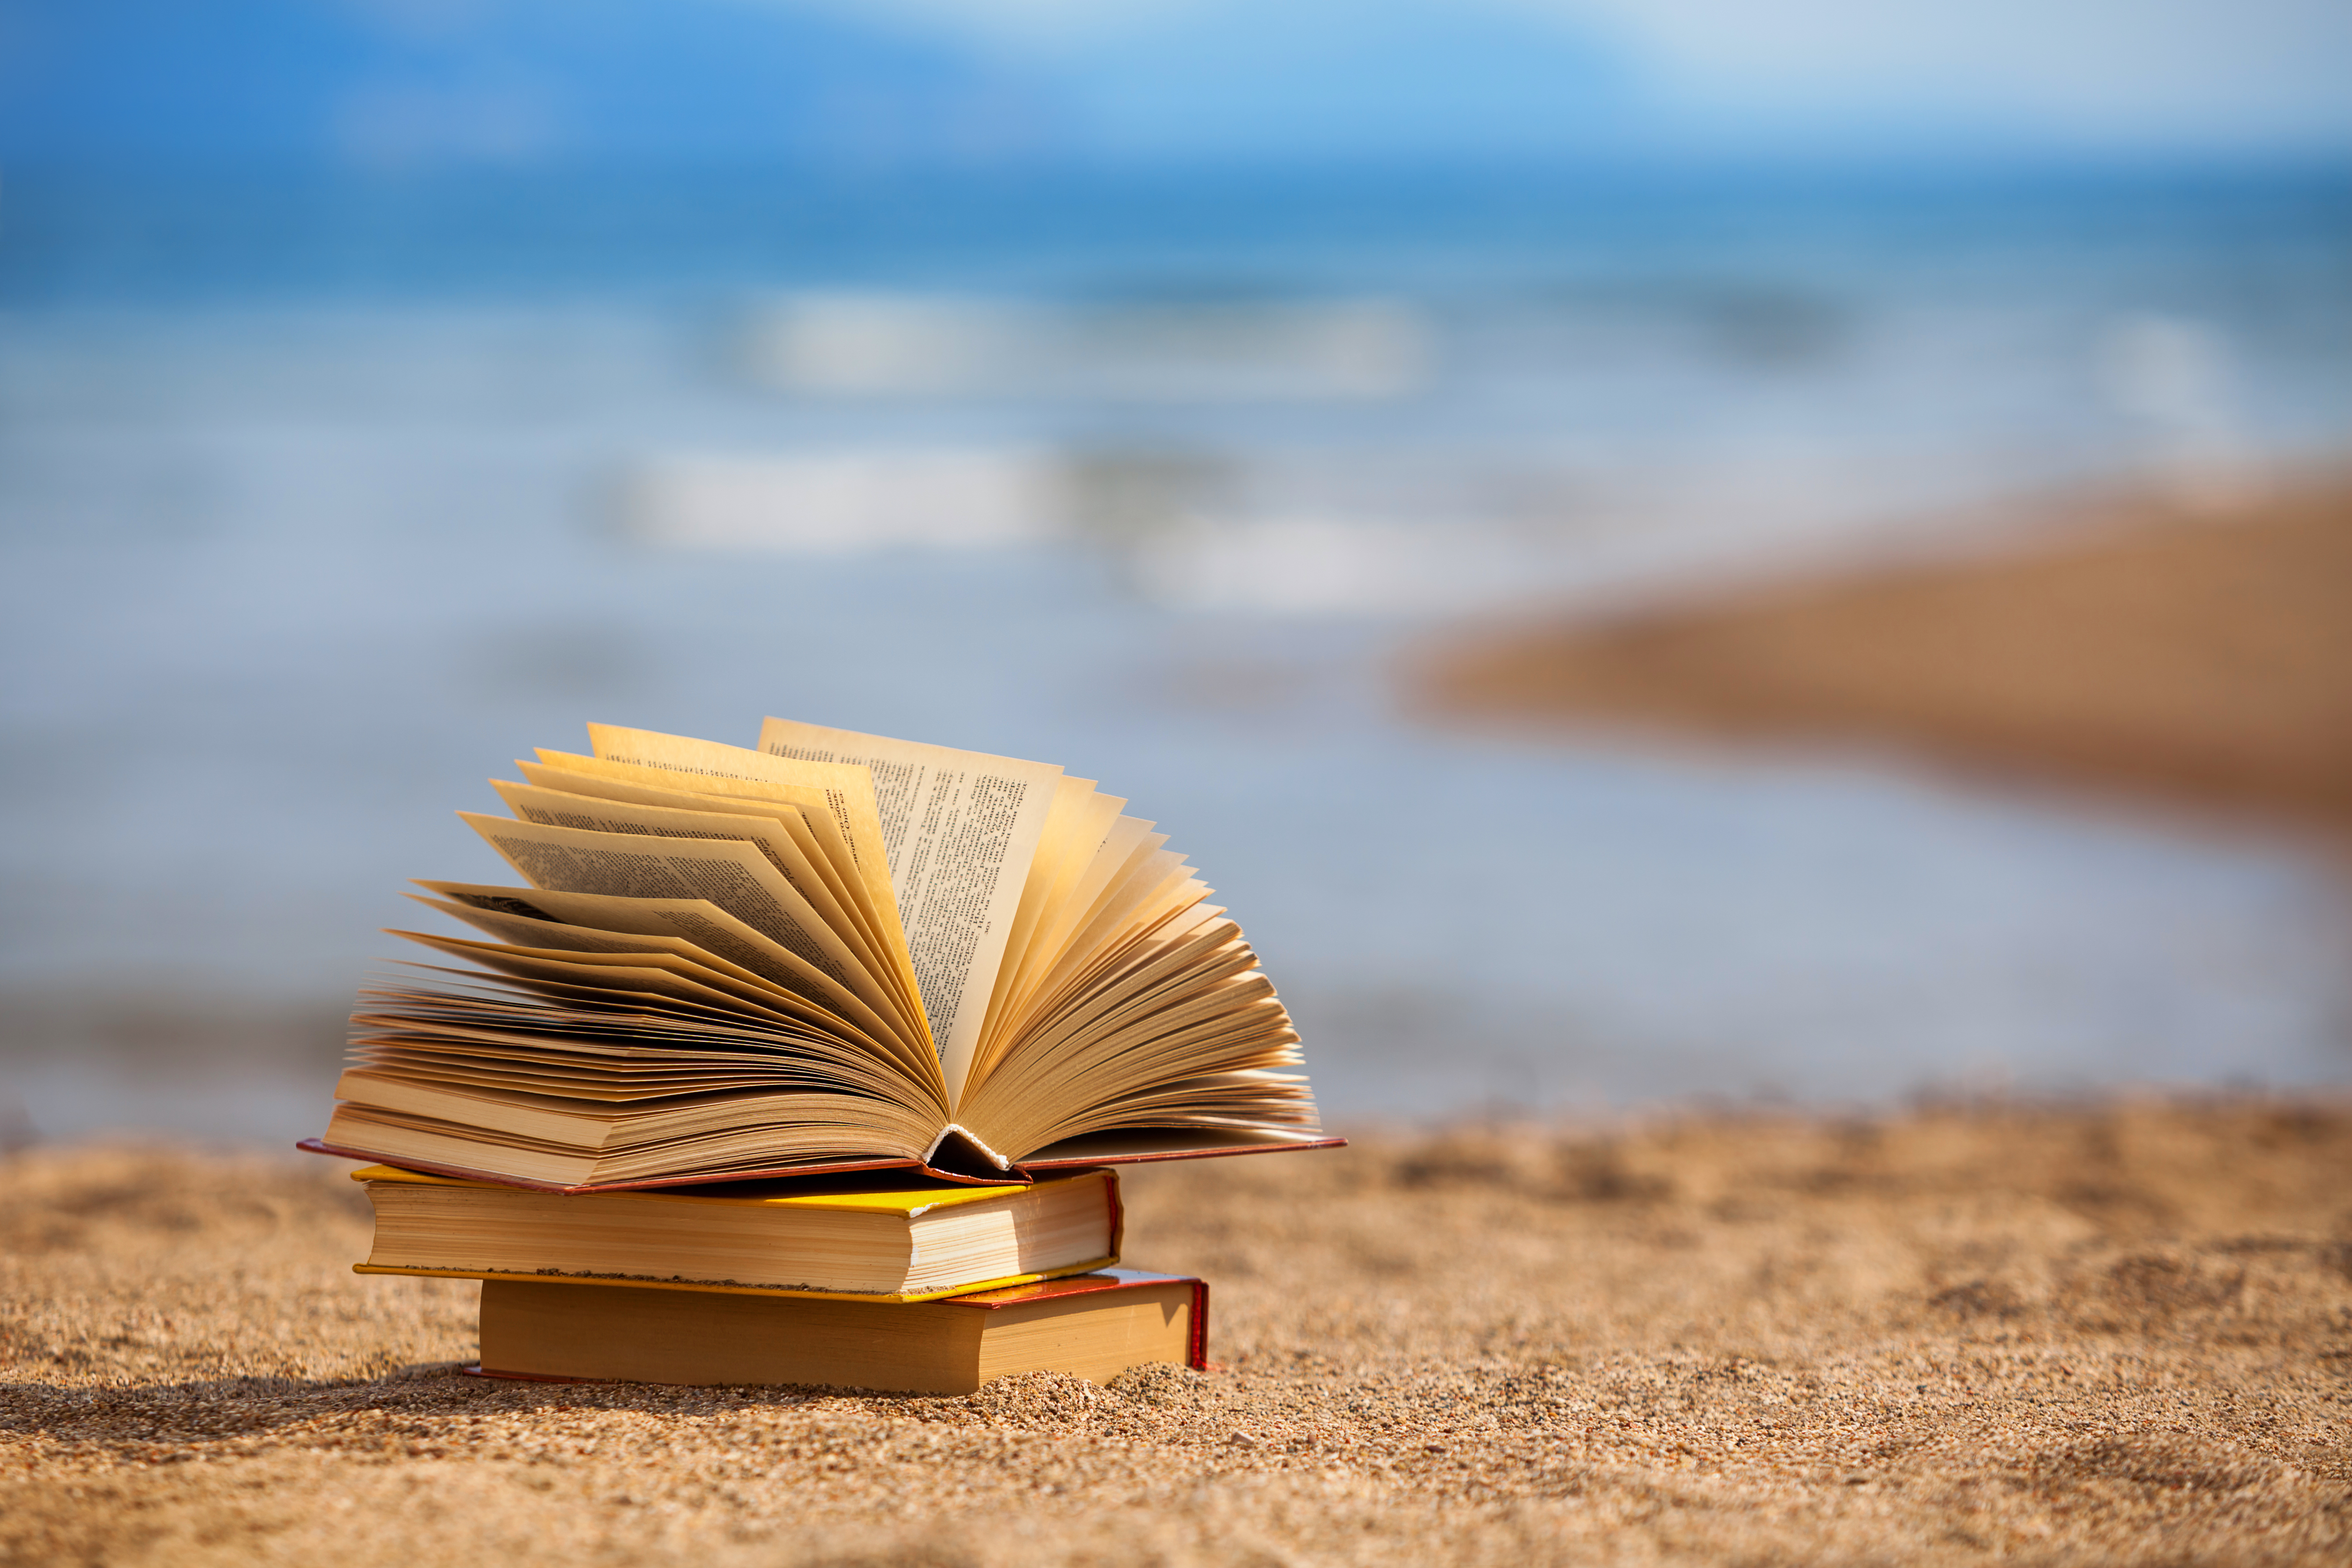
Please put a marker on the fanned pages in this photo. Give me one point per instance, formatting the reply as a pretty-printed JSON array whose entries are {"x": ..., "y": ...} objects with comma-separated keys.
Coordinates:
[{"x": 837, "y": 953}]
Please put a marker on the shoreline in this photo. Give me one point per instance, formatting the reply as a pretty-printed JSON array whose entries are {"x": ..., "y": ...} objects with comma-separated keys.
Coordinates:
[{"x": 2130, "y": 644}]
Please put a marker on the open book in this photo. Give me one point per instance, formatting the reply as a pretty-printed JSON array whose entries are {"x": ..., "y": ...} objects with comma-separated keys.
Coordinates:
[{"x": 836, "y": 952}]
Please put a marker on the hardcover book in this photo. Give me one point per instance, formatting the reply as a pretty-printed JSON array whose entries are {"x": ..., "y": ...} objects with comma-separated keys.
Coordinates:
[
  {"x": 836, "y": 952},
  {"x": 832, "y": 1237},
  {"x": 1091, "y": 1325}
]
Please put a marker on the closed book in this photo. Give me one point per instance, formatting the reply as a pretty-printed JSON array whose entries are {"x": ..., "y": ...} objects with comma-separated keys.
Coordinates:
[
  {"x": 869, "y": 1238},
  {"x": 1092, "y": 1325}
]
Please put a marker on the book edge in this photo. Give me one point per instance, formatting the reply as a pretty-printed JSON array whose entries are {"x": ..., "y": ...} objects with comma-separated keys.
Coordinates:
[
  {"x": 467, "y": 1173},
  {"x": 918, "y": 1201},
  {"x": 1021, "y": 1173},
  {"x": 892, "y": 1298}
]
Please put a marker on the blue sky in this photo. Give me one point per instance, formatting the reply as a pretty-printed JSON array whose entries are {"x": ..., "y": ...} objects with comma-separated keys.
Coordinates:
[
  {"x": 517, "y": 81},
  {"x": 2075, "y": 75}
]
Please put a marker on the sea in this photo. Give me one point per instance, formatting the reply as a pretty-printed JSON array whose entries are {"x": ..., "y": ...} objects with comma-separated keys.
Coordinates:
[{"x": 324, "y": 496}]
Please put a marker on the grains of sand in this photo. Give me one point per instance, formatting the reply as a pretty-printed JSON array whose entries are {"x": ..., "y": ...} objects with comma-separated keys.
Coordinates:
[{"x": 2116, "y": 1334}]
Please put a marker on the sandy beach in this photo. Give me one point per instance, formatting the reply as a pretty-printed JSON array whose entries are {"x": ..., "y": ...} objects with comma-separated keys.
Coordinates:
[
  {"x": 2119, "y": 1333},
  {"x": 2122, "y": 641}
]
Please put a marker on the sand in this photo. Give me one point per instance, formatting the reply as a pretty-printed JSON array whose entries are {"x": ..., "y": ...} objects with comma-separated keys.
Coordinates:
[
  {"x": 2115, "y": 640},
  {"x": 2116, "y": 1334}
]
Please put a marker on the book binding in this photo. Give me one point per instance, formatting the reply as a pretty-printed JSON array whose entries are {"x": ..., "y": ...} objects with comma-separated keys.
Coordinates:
[{"x": 887, "y": 1297}]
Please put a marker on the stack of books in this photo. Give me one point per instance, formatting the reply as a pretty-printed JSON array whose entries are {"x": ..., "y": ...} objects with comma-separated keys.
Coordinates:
[{"x": 811, "y": 1064}]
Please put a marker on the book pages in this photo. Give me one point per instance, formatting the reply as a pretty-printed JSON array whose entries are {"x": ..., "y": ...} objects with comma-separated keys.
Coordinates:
[
  {"x": 848, "y": 790},
  {"x": 727, "y": 872},
  {"x": 961, "y": 830},
  {"x": 1161, "y": 886},
  {"x": 1124, "y": 838},
  {"x": 1057, "y": 845},
  {"x": 805, "y": 813},
  {"x": 543, "y": 932},
  {"x": 1098, "y": 817},
  {"x": 711, "y": 930},
  {"x": 558, "y": 808},
  {"x": 654, "y": 974},
  {"x": 860, "y": 880}
]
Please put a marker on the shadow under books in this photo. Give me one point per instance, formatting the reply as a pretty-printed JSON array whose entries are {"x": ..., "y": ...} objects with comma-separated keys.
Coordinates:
[{"x": 202, "y": 1412}]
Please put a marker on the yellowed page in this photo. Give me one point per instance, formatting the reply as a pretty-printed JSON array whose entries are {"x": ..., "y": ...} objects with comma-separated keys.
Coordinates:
[
  {"x": 850, "y": 790},
  {"x": 1127, "y": 838},
  {"x": 1099, "y": 815},
  {"x": 1060, "y": 842},
  {"x": 1087, "y": 958},
  {"x": 1171, "y": 918},
  {"x": 729, "y": 872},
  {"x": 805, "y": 815},
  {"x": 560, "y": 808},
  {"x": 1159, "y": 870},
  {"x": 570, "y": 974},
  {"x": 866, "y": 877},
  {"x": 627, "y": 977},
  {"x": 1161, "y": 888},
  {"x": 1122, "y": 841},
  {"x": 1146, "y": 969},
  {"x": 715, "y": 931},
  {"x": 527, "y": 930},
  {"x": 657, "y": 973},
  {"x": 961, "y": 830},
  {"x": 533, "y": 932}
]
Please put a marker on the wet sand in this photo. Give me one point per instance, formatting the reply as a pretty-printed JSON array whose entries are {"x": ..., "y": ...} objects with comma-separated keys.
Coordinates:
[
  {"x": 2117, "y": 641},
  {"x": 2120, "y": 1333}
]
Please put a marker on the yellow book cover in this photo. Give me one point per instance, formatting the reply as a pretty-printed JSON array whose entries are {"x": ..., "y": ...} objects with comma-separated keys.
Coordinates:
[{"x": 851, "y": 1240}]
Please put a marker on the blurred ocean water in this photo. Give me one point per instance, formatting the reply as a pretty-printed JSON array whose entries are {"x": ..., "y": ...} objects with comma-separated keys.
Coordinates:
[{"x": 319, "y": 503}]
